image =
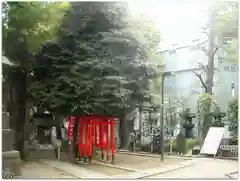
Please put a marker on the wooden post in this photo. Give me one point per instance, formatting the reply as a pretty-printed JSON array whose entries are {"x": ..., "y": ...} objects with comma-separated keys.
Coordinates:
[
  {"x": 101, "y": 141},
  {"x": 58, "y": 150},
  {"x": 86, "y": 141},
  {"x": 170, "y": 149},
  {"x": 90, "y": 127},
  {"x": 109, "y": 131},
  {"x": 113, "y": 139}
]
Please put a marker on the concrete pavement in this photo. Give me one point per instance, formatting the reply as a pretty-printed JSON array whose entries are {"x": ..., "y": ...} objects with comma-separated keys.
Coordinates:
[
  {"x": 204, "y": 169},
  {"x": 35, "y": 170},
  {"x": 74, "y": 170},
  {"x": 197, "y": 168}
]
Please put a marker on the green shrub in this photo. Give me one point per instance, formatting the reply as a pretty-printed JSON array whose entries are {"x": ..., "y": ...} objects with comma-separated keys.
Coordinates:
[{"x": 190, "y": 143}]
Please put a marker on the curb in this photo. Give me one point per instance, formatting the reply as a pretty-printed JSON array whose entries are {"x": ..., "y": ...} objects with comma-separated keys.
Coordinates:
[
  {"x": 153, "y": 155},
  {"x": 228, "y": 158},
  {"x": 176, "y": 157}
]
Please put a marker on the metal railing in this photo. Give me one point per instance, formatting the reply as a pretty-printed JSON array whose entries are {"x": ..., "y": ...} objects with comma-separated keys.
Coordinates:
[{"x": 228, "y": 151}]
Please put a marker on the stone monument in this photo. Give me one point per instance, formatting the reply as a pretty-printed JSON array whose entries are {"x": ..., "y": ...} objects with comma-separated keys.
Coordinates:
[{"x": 10, "y": 158}]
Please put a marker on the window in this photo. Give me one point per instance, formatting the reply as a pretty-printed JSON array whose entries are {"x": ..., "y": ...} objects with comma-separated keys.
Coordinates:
[
  {"x": 171, "y": 84},
  {"x": 233, "y": 69},
  {"x": 226, "y": 69}
]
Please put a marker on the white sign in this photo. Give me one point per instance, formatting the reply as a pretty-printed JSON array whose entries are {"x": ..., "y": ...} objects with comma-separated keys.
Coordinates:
[
  {"x": 212, "y": 141},
  {"x": 136, "y": 121}
]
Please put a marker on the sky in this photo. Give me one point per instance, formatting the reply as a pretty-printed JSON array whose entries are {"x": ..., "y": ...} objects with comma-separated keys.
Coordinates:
[{"x": 179, "y": 23}]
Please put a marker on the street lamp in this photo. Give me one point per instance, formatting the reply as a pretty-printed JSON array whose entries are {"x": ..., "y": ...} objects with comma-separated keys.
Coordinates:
[
  {"x": 233, "y": 89},
  {"x": 161, "y": 115}
]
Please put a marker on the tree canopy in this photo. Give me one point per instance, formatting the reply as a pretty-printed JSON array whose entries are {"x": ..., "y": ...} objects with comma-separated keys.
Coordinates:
[
  {"x": 26, "y": 25},
  {"x": 97, "y": 66},
  {"x": 226, "y": 25}
]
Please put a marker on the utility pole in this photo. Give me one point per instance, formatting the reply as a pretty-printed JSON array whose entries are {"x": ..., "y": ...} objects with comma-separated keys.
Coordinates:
[
  {"x": 162, "y": 121},
  {"x": 161, "y": 115}
]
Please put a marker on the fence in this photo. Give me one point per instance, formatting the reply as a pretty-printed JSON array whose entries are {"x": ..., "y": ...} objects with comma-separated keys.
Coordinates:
[{"x": 228, "y": 151}]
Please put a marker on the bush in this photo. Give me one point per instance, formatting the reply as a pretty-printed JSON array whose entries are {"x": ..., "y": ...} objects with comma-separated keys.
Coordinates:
[{"x": 190, "y": 143}]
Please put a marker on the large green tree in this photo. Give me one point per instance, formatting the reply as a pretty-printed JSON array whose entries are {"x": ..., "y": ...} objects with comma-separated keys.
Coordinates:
[
  {"x": 26, "y": 25},
  {"x": 96, "y": 66}
]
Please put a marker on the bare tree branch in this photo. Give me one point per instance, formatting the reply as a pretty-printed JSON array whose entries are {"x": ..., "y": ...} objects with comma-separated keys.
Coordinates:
[
  {"x": 204, "y": 67},
  {"x": 204, "y": 30},
  {"x": 203, "y": 42},
  {"x": 205, "y": 50},
  {"x": 218, "y": 47},
  {"x": 201, "y": 80}
]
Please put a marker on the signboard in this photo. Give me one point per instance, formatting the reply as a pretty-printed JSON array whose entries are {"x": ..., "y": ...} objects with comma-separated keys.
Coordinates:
[{"x": 212, "y": 141}]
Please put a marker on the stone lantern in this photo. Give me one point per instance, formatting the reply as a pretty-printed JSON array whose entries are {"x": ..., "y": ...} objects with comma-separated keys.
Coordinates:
[
  {"x": 187, "y": 116},
  {"x": 218, "y": 116}
]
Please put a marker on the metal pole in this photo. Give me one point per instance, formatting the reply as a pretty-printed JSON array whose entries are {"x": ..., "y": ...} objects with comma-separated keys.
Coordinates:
[
  {"x": 161, "y": 120},
  {"x": 233, "y": 89}
]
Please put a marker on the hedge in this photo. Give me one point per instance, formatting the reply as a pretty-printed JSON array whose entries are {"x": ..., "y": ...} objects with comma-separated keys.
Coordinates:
[{"x": 190, "y": 143}]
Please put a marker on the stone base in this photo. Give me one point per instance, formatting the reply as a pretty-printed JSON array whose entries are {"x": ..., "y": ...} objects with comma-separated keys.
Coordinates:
[
  {"x": 11, "y": 162},
  {"x": 196, "y": 151}
]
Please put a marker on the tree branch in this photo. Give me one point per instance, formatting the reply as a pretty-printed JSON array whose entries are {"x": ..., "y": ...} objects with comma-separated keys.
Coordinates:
[
  {"x": 205, "y": 67},
  {"x": 218, "y": 47},
  {"x": 204, "y": 30},
  {"x": 203, "y": 42},
  {"x": 201, "y": 80},
  {"x": 205, "y": 50}
]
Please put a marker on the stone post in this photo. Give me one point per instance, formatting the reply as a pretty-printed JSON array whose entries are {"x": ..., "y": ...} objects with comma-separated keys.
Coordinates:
[{"x": 10, "y": 157}]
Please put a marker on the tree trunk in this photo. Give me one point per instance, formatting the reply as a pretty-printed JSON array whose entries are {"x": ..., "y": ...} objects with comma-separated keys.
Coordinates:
[
  {"x": 124, "y": 133},
  {"x": 18, "y": 108},
  {"x": 211, "y": 50},
  {"x": 210, "y": 66}
]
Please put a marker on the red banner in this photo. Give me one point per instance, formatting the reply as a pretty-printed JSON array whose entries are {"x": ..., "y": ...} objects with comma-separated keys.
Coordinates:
[
  {"x": 70, "y": 129},
  {"x": 93, "y": 130}
]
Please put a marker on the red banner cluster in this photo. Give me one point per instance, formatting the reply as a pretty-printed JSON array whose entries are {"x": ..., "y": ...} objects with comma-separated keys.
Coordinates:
[{"x": 93, "y": 130}]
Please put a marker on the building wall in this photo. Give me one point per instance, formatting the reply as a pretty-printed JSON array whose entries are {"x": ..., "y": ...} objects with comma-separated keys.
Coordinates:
[{"x": 185, "y": 86}]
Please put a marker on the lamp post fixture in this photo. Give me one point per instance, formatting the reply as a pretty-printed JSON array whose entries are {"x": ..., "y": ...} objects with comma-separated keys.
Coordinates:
[
  {"x": 161, "y": 115},
  {"x": 233, "y": 89}
]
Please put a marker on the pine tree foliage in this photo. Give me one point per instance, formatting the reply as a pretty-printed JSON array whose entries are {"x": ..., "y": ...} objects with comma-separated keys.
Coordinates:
[{"x": 96, "y": 66}]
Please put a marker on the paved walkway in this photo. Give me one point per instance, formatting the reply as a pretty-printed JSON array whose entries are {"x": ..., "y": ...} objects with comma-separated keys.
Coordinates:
[
  {"x": 204, "y": 169},
  {"x": 36, "y": 170},
  {"x": 75, "y": 170},
  {"x": 198, "y": 168},
  {"x": 146, "y": 173}
]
